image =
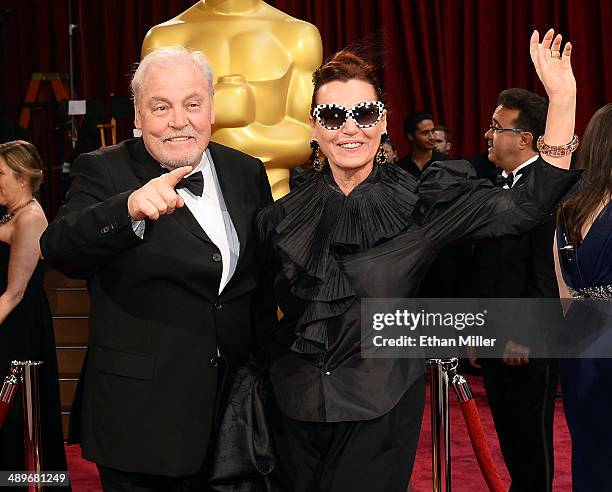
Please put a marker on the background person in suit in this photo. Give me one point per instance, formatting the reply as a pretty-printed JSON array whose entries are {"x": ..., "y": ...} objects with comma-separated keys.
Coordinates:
[
  {"x": 419, "y": 131},
  {"x": 521, "y": 391},
  {"x": 172, "y": 279}
]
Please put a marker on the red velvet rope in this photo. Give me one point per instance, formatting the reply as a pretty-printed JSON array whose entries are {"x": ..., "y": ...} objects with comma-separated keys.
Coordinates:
[{"x": 481, "y": 448}]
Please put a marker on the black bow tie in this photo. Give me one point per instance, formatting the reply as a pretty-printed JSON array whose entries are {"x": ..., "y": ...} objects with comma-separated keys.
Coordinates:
[
  {"x": 507, "y": 181},
  {"x": 194, "y": 183}
]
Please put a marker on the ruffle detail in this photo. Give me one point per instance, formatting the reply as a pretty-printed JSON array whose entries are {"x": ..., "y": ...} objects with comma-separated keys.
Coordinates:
[
  {"x": 312, "y": 337},
  {"x": 445, "y": 181},
  {"x": 316, "y": 223}
]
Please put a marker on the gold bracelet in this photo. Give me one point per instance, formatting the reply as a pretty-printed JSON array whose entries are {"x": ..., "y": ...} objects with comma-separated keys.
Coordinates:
[{"x": 557, "y": 150}]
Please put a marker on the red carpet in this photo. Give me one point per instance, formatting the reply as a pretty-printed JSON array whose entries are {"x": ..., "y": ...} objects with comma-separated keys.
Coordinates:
[
  {"x": 83, "y": 473},
  {"x": 465, "y": 472}
]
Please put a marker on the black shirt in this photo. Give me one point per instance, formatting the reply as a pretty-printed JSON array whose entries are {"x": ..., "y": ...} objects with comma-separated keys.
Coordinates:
[
  {"x": 407, "y": 164},
  {"x": 331, "y": 250}
]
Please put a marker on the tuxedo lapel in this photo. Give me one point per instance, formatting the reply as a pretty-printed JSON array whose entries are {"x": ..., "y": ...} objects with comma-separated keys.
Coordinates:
[
  {"x": 231, "y": 188},
  {"x": 146, "y": 168},
  {"x": 184, "y": 217},
  {"x": 524, "y": 173}
]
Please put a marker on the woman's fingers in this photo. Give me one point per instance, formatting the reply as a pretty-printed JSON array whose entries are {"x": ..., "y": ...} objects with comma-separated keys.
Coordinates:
[
  {"x": 549, "y": 50},
  {"x": 555, "y": 50},
  {"x": 534, "y": 51},
  {"x": 567, "y": 52},
  {"x": 534, "y": 42},
  {"x": 548, "y": 37}
]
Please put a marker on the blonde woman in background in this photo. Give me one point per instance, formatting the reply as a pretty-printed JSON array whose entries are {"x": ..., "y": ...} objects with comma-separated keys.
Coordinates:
[{"x": 26, "y": 328}]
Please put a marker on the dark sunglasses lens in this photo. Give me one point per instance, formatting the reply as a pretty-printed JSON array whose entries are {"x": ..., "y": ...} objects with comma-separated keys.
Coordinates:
[
  {"x": 332, "y": 117},
  {"x": 366, "y": 115}
]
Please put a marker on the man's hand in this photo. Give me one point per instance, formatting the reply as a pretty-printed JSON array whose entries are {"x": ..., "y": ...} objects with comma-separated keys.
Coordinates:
[
  {"x": 157, "y": 197},
  {"x": 515, "y": 354}
]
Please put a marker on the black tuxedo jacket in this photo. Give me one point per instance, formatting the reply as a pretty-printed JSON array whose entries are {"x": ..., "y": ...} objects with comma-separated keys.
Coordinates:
[
  {"x": 521, "y": 266},
  {"x": 156, "y": 321}
]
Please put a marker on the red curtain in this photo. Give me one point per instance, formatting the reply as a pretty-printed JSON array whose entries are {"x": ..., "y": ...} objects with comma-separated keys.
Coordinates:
[{"x": 451, "y": 57}]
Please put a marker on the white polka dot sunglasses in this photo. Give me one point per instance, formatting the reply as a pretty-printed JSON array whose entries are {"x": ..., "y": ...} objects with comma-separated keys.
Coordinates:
[{"x": 333, "y": 116}]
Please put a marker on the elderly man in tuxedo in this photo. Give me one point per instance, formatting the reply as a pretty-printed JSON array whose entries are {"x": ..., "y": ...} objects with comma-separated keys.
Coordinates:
[{"x": 162, "y": 227}]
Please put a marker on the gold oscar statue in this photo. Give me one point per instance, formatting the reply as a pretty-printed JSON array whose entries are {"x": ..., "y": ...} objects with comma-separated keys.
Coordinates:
[{"x": 263, "y": 61}]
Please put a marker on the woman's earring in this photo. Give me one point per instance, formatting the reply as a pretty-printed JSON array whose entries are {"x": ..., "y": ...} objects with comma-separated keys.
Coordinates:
[
  {"x": 381, "y": 154},
  {"x": 316, "y": 157}
]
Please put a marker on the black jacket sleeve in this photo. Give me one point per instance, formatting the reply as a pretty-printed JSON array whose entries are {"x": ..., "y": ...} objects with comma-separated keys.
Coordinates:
[
  {"x": 94, "y": 224},
  {"x": 456, "y": 206}
]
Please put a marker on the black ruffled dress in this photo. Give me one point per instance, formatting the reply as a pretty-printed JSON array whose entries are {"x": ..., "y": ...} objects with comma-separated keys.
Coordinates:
[{"x": 331, "y": 250}]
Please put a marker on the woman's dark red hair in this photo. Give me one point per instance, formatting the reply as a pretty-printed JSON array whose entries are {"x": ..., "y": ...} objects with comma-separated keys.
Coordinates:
[{"x": 343, "y": 66}]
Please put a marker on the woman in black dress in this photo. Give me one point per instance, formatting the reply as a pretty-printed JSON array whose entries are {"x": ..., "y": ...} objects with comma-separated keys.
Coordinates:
[
  {"x": 356, "y": 228},
  {"x": 26, "y": 329}
]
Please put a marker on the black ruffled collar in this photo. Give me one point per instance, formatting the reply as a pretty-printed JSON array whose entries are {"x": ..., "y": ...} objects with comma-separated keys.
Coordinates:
[
  {"x": 372, "y": 178},
  {"x": 316, "y": 223}
]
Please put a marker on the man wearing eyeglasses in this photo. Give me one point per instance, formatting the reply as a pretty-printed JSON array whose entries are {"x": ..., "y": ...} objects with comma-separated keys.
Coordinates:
[{"x": 520, "y": 389}]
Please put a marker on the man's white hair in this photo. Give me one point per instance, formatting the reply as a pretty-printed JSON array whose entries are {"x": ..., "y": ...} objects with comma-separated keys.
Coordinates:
[{"x": 171, "y": 56}]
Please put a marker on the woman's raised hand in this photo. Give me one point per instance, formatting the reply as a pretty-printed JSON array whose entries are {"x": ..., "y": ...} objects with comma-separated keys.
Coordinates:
[{"x": 553, "y": 65}]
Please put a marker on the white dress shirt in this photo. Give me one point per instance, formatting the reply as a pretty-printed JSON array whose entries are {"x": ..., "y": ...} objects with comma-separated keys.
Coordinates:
[
  {"x": 211, "y": 213},
  {"x": 514, "y": 173}
]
